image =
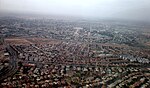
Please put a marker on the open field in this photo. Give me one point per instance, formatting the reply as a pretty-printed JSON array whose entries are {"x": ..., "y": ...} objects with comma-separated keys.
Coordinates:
[
  {"x": 43, "y": 41},
  {"x": 24, "y": 41},
  {"x": 16, "y": 41}
]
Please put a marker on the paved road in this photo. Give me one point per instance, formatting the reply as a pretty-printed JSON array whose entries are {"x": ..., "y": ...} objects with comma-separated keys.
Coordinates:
[{"x": 12, "y": 68}]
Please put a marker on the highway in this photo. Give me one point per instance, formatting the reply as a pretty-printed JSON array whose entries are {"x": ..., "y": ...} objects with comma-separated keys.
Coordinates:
[{"x": 12, "y": 68}]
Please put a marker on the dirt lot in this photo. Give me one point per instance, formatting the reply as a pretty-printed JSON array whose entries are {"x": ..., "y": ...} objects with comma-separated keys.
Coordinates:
[
  {"x": 24, "y": 41},
  {"x": 17, "y": 41},
  {"x": 43, "y": 41}
]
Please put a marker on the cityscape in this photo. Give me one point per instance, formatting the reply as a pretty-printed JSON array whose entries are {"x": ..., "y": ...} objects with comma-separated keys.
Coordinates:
[
  {"x": 74, "y": 44},
  {"x": 63, "y": 53}
]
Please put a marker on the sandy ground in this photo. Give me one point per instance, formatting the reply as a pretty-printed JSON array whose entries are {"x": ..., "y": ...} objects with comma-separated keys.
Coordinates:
[
  {"x": 43, "y": 41},
  {"x": 24, "y": 41},
  {"x": 17, "y": 41}
]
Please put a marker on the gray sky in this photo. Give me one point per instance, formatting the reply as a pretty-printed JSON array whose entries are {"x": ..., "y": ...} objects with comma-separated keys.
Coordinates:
[{"x": 124, "y": 9}]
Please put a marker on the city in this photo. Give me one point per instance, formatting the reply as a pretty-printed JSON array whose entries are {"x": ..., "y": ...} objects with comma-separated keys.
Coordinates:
[
  {"x": 74, "y": 44},
  {"x": 51, "y": 53}
]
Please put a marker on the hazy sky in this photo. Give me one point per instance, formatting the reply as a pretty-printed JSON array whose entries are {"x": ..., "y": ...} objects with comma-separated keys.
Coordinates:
[{"x": 125, "y": 9}]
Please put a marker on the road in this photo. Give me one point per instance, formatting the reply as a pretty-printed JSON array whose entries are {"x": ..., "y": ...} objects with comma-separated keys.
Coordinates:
[{"x": 12, "y": 68}]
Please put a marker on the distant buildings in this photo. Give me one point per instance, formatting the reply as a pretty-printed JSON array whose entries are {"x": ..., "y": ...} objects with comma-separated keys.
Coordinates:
[{"x": 73, "y": 54}]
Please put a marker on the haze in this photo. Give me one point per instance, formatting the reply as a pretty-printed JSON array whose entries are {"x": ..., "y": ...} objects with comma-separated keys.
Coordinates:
[{"x": 122, "y": 9}]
